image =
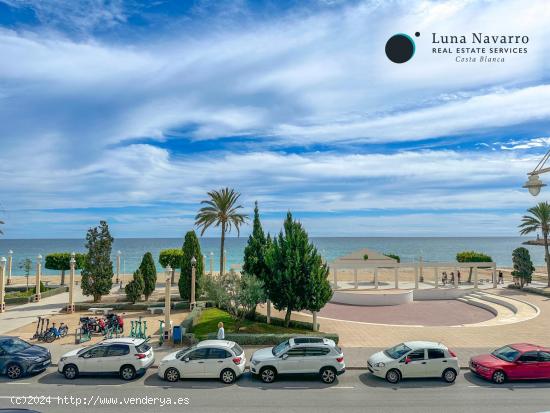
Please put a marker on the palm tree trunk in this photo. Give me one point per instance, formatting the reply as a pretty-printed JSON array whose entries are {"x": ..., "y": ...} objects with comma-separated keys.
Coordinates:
[
  {"x": 222, "y": 246},
  {"x": 62, "y": 277},
  {"x": 547, "y": 256},
  {"x": 287, "y": 316}
]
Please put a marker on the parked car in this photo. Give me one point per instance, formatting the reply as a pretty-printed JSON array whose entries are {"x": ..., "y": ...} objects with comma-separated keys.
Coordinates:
[
  {"x": 208, "y": 359},
  {"x": 414, "y": 359},
  {"x": 520, "y": 361},
  {"x": 127, "y": 357},
  {"x": 302, "y": 355},
  {"x": 19, "y": 358}
]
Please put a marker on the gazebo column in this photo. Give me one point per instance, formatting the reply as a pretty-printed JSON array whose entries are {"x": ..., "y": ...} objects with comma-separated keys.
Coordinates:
[
  {"x": 456, "y": 277},
  {"x": 436, "y": 275},
  {"x": 335, "y": 275},
  {"x": 396, "y": 277},
  {"x": 355, "y": 278},
  {"x": 416, "y": 278},
  {"x": 495, "y": 277},
  {"x": 376, "y": 278},
  {"x": 476, "y": 278}
]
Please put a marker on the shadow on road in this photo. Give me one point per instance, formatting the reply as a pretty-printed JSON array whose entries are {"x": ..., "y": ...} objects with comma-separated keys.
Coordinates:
[
  {"x": 298, "y": 382},
  {"x": 510, "y": 385},
  {"x": 370, "y": 380},
  {"x": 60, "y": 380}
]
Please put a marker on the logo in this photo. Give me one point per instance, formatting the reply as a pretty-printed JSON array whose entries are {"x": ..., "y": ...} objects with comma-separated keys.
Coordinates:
[{"x": 400, "y": 47}]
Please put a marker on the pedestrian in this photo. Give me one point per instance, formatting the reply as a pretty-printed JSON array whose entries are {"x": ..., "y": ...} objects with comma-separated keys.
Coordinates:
[
  {"x": 500, "y": 277},
  {"x": 221, "y": 331},
  {"x": 444, "y": 279},
  {"x": 458, "y": 276},
  {"x": 452, "y": 277}
]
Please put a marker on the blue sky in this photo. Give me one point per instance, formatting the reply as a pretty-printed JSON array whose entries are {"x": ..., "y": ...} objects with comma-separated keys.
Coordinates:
[{"x": 131, "y": 111}]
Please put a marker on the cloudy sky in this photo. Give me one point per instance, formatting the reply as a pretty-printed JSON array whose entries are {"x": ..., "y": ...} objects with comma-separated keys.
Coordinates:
[{"x": 131, "y": 110}]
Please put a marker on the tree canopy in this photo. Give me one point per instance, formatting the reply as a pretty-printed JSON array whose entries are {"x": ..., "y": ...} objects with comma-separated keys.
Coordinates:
[
  {"x": 149, "y": 273},
  {"x": 97, "y": 273},
  {"x": 523, "y": 266},
  {"x": 191, "y": 248},
  {"x": 61, "y": 261}
]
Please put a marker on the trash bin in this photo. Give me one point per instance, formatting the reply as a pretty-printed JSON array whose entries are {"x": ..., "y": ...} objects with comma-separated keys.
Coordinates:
[{"x": 176, "y": 334}]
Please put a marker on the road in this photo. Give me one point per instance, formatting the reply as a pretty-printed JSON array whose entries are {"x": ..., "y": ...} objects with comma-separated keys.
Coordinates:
[{"x": 355, "y": 391}]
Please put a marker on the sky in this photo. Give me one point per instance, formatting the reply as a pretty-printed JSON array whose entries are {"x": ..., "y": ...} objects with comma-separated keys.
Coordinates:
[{"x": 130, "y": 111}]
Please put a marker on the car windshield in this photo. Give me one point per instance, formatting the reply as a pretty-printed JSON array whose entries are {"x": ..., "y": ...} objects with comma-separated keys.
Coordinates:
[
  {"x": 14, "y": 345},
  {"x": 397, "y": 351},
  {"x": 506, "y": 353},
  {"x": 280, "y": 348},
  {"x": 182, "y": 352}
]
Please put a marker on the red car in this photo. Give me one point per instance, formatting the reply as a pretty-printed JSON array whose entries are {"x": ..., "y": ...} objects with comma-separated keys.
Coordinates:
[{"x": 513, "y": 362}]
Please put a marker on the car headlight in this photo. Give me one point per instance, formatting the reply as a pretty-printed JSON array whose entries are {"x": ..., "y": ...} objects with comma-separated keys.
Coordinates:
[
  {"x": 255, "y": 362},
  {"x": 483, "y": 368},
  {"x": 379, "y": 364}
]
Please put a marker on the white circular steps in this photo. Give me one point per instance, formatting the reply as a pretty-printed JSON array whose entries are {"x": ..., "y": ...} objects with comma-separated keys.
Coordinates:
[
  {"x": 372, "y": 297},
  {"x": 506, "y": 310}
]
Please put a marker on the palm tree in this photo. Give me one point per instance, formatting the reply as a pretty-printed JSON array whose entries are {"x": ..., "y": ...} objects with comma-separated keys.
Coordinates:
[
  {"x": 539, "y": 220},
  {"x": 221, "y": 209}
]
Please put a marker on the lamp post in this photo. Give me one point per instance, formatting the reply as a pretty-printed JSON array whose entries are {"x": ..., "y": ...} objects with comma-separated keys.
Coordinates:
[
  {"x": 72, "y": 262},
  {"x": 534, "y": 184},
  {"x": 37, "y": 292},
  {"x": 192, "y": 302},
  {"x": 167, "y": 303},
  {"x": 211, "y": 263},
  {"x": 118, "y": 254},
  {"x": 10, "y": 263},
  {"x": 2, "y": 284}
]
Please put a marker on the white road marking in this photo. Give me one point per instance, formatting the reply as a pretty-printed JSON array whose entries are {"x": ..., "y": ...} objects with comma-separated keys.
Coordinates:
[
  {"x": 342, "y": 387},
  {"x": 18, "y": 382}
]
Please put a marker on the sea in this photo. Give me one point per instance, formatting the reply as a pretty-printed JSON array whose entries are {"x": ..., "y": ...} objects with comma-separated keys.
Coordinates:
[{"x": 408, "y": 248}]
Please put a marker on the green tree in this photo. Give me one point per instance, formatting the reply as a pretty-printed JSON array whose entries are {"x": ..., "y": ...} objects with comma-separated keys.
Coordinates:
[
  {"x": 472, "y": 256},
  {"x": 254, "y": 254},
  {"x": 394, "y": 256},
  {"x": 149, "y": 273},
  {"x": 26, "y": 266},
  {"x": 523, "y": 267},
  {"x": 221, "y": 209},
  {"x": 97, "y": 274},
  {"x": 171, "y": 257},
  {"x": 191, "y": 248},
  {"x": 539, "y": 219},
  {"x": 299, "y": 276},
  {"x": 134, "y": 289},
  {"x": 61, "y": 261}
]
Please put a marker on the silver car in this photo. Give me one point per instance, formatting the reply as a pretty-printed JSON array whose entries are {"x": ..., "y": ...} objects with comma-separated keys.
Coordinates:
[{"x": 300, "y": 355}]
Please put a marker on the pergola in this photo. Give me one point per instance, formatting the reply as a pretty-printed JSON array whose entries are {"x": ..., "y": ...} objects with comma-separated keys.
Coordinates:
[{"x": 376, "y": 261}]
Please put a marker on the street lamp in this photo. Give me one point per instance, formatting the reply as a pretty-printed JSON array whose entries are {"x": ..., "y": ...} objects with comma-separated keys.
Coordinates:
[
  {"x": 534, "y": 184},
  {"x": 118, "y": 254}
]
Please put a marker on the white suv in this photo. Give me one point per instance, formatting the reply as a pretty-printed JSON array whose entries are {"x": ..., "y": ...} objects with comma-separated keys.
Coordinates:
[
  {"x": 208, "y": 359},
  {"x": 414, "y": 359},
  {"x": 305, "y": 355},
  {"x": 127, "y": 357}
]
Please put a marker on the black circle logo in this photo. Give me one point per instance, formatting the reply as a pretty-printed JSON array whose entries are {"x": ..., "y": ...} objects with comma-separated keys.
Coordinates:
[{"x": 400, "y": 48}]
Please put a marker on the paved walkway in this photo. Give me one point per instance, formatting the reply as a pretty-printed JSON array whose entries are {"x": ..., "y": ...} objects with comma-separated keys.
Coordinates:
[{"x": 358, "y": 334}]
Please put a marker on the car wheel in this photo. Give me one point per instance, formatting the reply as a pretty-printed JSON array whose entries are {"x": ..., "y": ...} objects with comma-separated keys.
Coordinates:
[
  {"x": 499, "y": 377},
  {"x": 172, "y": 374},
  {"x": 449, "y": 375},
  {"x": 268, "y": 374},
  {"x": 70, "y": 372},
  {"x": 227, "y": 376},
  {"x": 14, "y": 371},
  {"x": 393, "y": 376},
  {"x": 328, "y": 375},
  {"x": 127, "y": 372}
]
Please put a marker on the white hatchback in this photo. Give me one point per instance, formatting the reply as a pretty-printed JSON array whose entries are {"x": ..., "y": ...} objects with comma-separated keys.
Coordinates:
[
  {"x": 415, "y": 359},
  {"x": 209, "y": 359},
  {"x": 127, "y": 357}
]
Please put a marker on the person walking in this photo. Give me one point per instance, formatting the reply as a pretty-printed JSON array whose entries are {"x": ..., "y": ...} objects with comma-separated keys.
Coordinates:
[
  {"x": 500, "y": 277},
  {"x": 221, "y": 331},
  {"x": 458, "y": 276}
]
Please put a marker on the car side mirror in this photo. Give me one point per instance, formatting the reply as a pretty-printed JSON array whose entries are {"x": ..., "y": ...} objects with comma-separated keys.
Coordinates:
[{"x": 284, "y": 356}]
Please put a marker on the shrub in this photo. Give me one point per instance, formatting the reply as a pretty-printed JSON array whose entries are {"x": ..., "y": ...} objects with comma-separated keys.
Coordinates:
[
  {"x": 394, "y": 256},
  {"x": 267, "y": 339},
  {"x": 134, "y": 289},
  {"x": 149, "y": 274}
]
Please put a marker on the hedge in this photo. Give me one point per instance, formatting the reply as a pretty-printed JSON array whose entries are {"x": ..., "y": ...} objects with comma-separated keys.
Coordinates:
[
  {"x": 191, "y": 319},
  {"x": 45, "y": 294},
  {"x": 267, "y": 339},
  {"x": 304, "y": 325}
]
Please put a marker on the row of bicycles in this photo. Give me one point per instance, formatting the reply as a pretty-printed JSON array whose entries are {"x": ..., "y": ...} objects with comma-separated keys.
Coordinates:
[{"x": 49, "y": 333}]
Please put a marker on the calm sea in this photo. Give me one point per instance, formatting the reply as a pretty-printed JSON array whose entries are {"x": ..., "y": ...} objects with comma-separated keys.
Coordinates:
[{"x": 409, "y": 249}]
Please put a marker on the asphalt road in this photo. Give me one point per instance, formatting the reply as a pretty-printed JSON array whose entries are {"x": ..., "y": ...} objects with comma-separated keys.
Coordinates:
[{"x": 355, "y": 391}]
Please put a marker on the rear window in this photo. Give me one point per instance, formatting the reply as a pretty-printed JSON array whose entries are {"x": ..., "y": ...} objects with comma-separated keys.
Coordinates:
[
  {"x": 237, "y": 349},
  {"x": 143, "y": 347}
]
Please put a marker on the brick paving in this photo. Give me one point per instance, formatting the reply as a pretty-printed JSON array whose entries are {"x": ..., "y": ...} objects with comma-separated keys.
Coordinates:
[{"x": 536, "y": 330}]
